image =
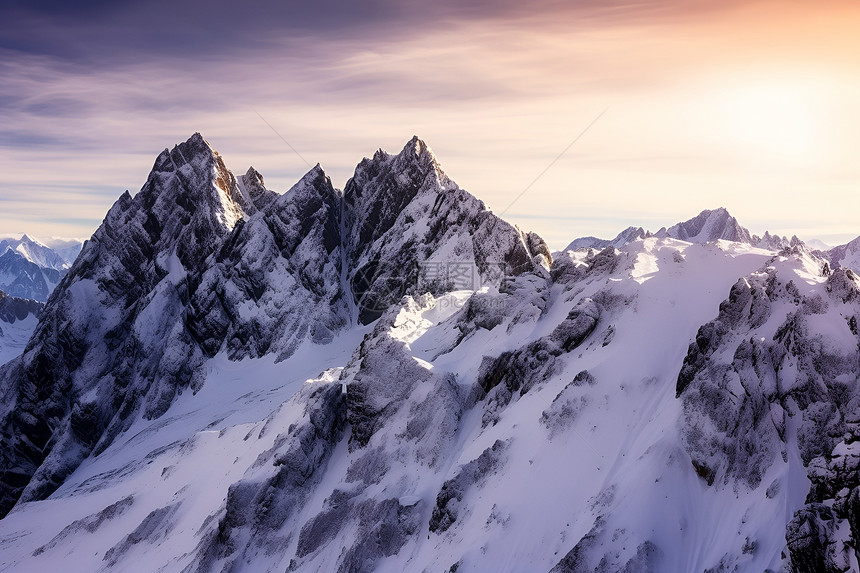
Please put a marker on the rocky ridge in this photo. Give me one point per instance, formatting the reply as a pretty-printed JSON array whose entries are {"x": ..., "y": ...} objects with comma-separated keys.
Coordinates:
[{"x": 197, "y": 264}]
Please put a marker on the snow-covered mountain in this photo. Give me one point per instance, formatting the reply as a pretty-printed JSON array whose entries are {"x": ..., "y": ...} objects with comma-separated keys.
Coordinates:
[
  {"x": 847, "y": 255},
  {"x": 192, "y": 266},
  {"x": 709, "y": 226},
  {"x": 25, "y": 279},
  {"x": 68, "y": 249},
  {"x": 818, "y": 245},
  {"x": 30, "y": 269},
  {"x": 391, "y": 378},
  {"x": 706, "y": 227},
  {"x": 35, "y": 252},
  {"x": 626, "y": 236}
]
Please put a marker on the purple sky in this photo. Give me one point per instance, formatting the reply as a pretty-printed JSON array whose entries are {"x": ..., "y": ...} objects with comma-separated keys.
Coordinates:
[{"x": 748, "y": 105}]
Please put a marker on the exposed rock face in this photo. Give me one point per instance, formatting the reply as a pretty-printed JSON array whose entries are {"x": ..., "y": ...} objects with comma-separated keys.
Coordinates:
[
  {"x": 114, "y": 337},
  {"x": 199, "y": 263},
  {"x": 773, "y": 377},
  {"x": 13, "y": 308},
  {"x": 709, "y": 226},
  {"x": 385, "y": 387},
  {"x": 403, "y": 212},
  {"x": 471, "y": 475},
  {"x": 18, "y": 317},
  {"x": 847, "y": 255},
  {"x": 626, "y": 236},
  {"x": 276, "y": 280},
  {"x": 775, "y": 242},
  {"x": 403, "y": 419},
  {"x": 557, "y": 421}
]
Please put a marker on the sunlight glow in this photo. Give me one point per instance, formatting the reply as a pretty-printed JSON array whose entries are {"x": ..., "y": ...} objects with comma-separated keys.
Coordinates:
[{"x": 774, "y": 120}]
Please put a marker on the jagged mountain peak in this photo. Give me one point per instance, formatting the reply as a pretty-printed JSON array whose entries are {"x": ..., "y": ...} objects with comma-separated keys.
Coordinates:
[
  {"x": 316, "y": 182},
  {"x": 415, "y": 147},
  {"x": 417, "y": 152},
  {"x": 253, "y": 187},
  {"x": 316, "y": 171},
  {"x": 626, "y": 236},
  {"x": 732, "y": 367},
  {"x": 197, "y": 173},
  {"x": 384, "y": 185},
  {"x": 254, "y": 175},
  {"x": 709, "y": 225},
  {"x": 415, "y": 164},
  {"x": 35, "y": 252},
  {"x": 419, "y": 148},
  {"x": 847, "y": 255},
  {"x": 404, "y": 211},
  {"x": 199, "y": 263},
  {"x": 194, "y": 149}
]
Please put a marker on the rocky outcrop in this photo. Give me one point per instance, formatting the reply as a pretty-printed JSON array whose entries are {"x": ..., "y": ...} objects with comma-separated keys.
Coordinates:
[
  {"x": 407, "y": 224},
  {"x": 774, "y": 372},
  {"x": 13, "y": 309},
  {"x": 626, "y": 236},
  {"x": 276, "y": 281},
  {"x": 709, "y": 226}
]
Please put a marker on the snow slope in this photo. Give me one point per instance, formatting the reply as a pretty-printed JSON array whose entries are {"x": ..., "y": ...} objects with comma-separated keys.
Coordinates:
[{"x": 593, "y": 457}]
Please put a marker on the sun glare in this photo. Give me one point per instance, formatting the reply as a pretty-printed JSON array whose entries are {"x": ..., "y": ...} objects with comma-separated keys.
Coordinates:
[{"x": 780, "y": 121}]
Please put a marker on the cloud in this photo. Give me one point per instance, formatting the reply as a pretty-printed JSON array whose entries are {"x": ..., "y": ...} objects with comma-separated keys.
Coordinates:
[
  {"x": 133, "y": 31},
  {"x": 93, "y": 91}
]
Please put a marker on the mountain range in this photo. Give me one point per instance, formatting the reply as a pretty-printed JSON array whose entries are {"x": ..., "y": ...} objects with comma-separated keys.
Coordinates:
[
  {"x": 29, "y": 269},
  {"x": 706, "y": 227},
  {"x": 392, "y": 378}
]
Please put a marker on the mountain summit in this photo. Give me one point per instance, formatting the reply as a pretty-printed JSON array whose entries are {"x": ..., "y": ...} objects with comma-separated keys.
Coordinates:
[
  {"x": 709, "y": 226},
  {"x": 199, "y": 263},
  {"x": 35, "y": 252}
]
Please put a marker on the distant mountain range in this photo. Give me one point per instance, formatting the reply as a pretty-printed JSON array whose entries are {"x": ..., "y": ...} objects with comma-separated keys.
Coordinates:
[
  {"x": 706, "y": 227},
  {"x": 719, "y": 225},
  {"x": 30, "y": 269}
]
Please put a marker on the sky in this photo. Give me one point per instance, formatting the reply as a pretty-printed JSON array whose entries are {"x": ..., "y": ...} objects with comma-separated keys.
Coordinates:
[{"x": 567, "y": 118}]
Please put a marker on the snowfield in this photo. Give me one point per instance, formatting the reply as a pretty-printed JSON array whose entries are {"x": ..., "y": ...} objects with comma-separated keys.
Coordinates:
[{"x": 604, "y": 452}]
